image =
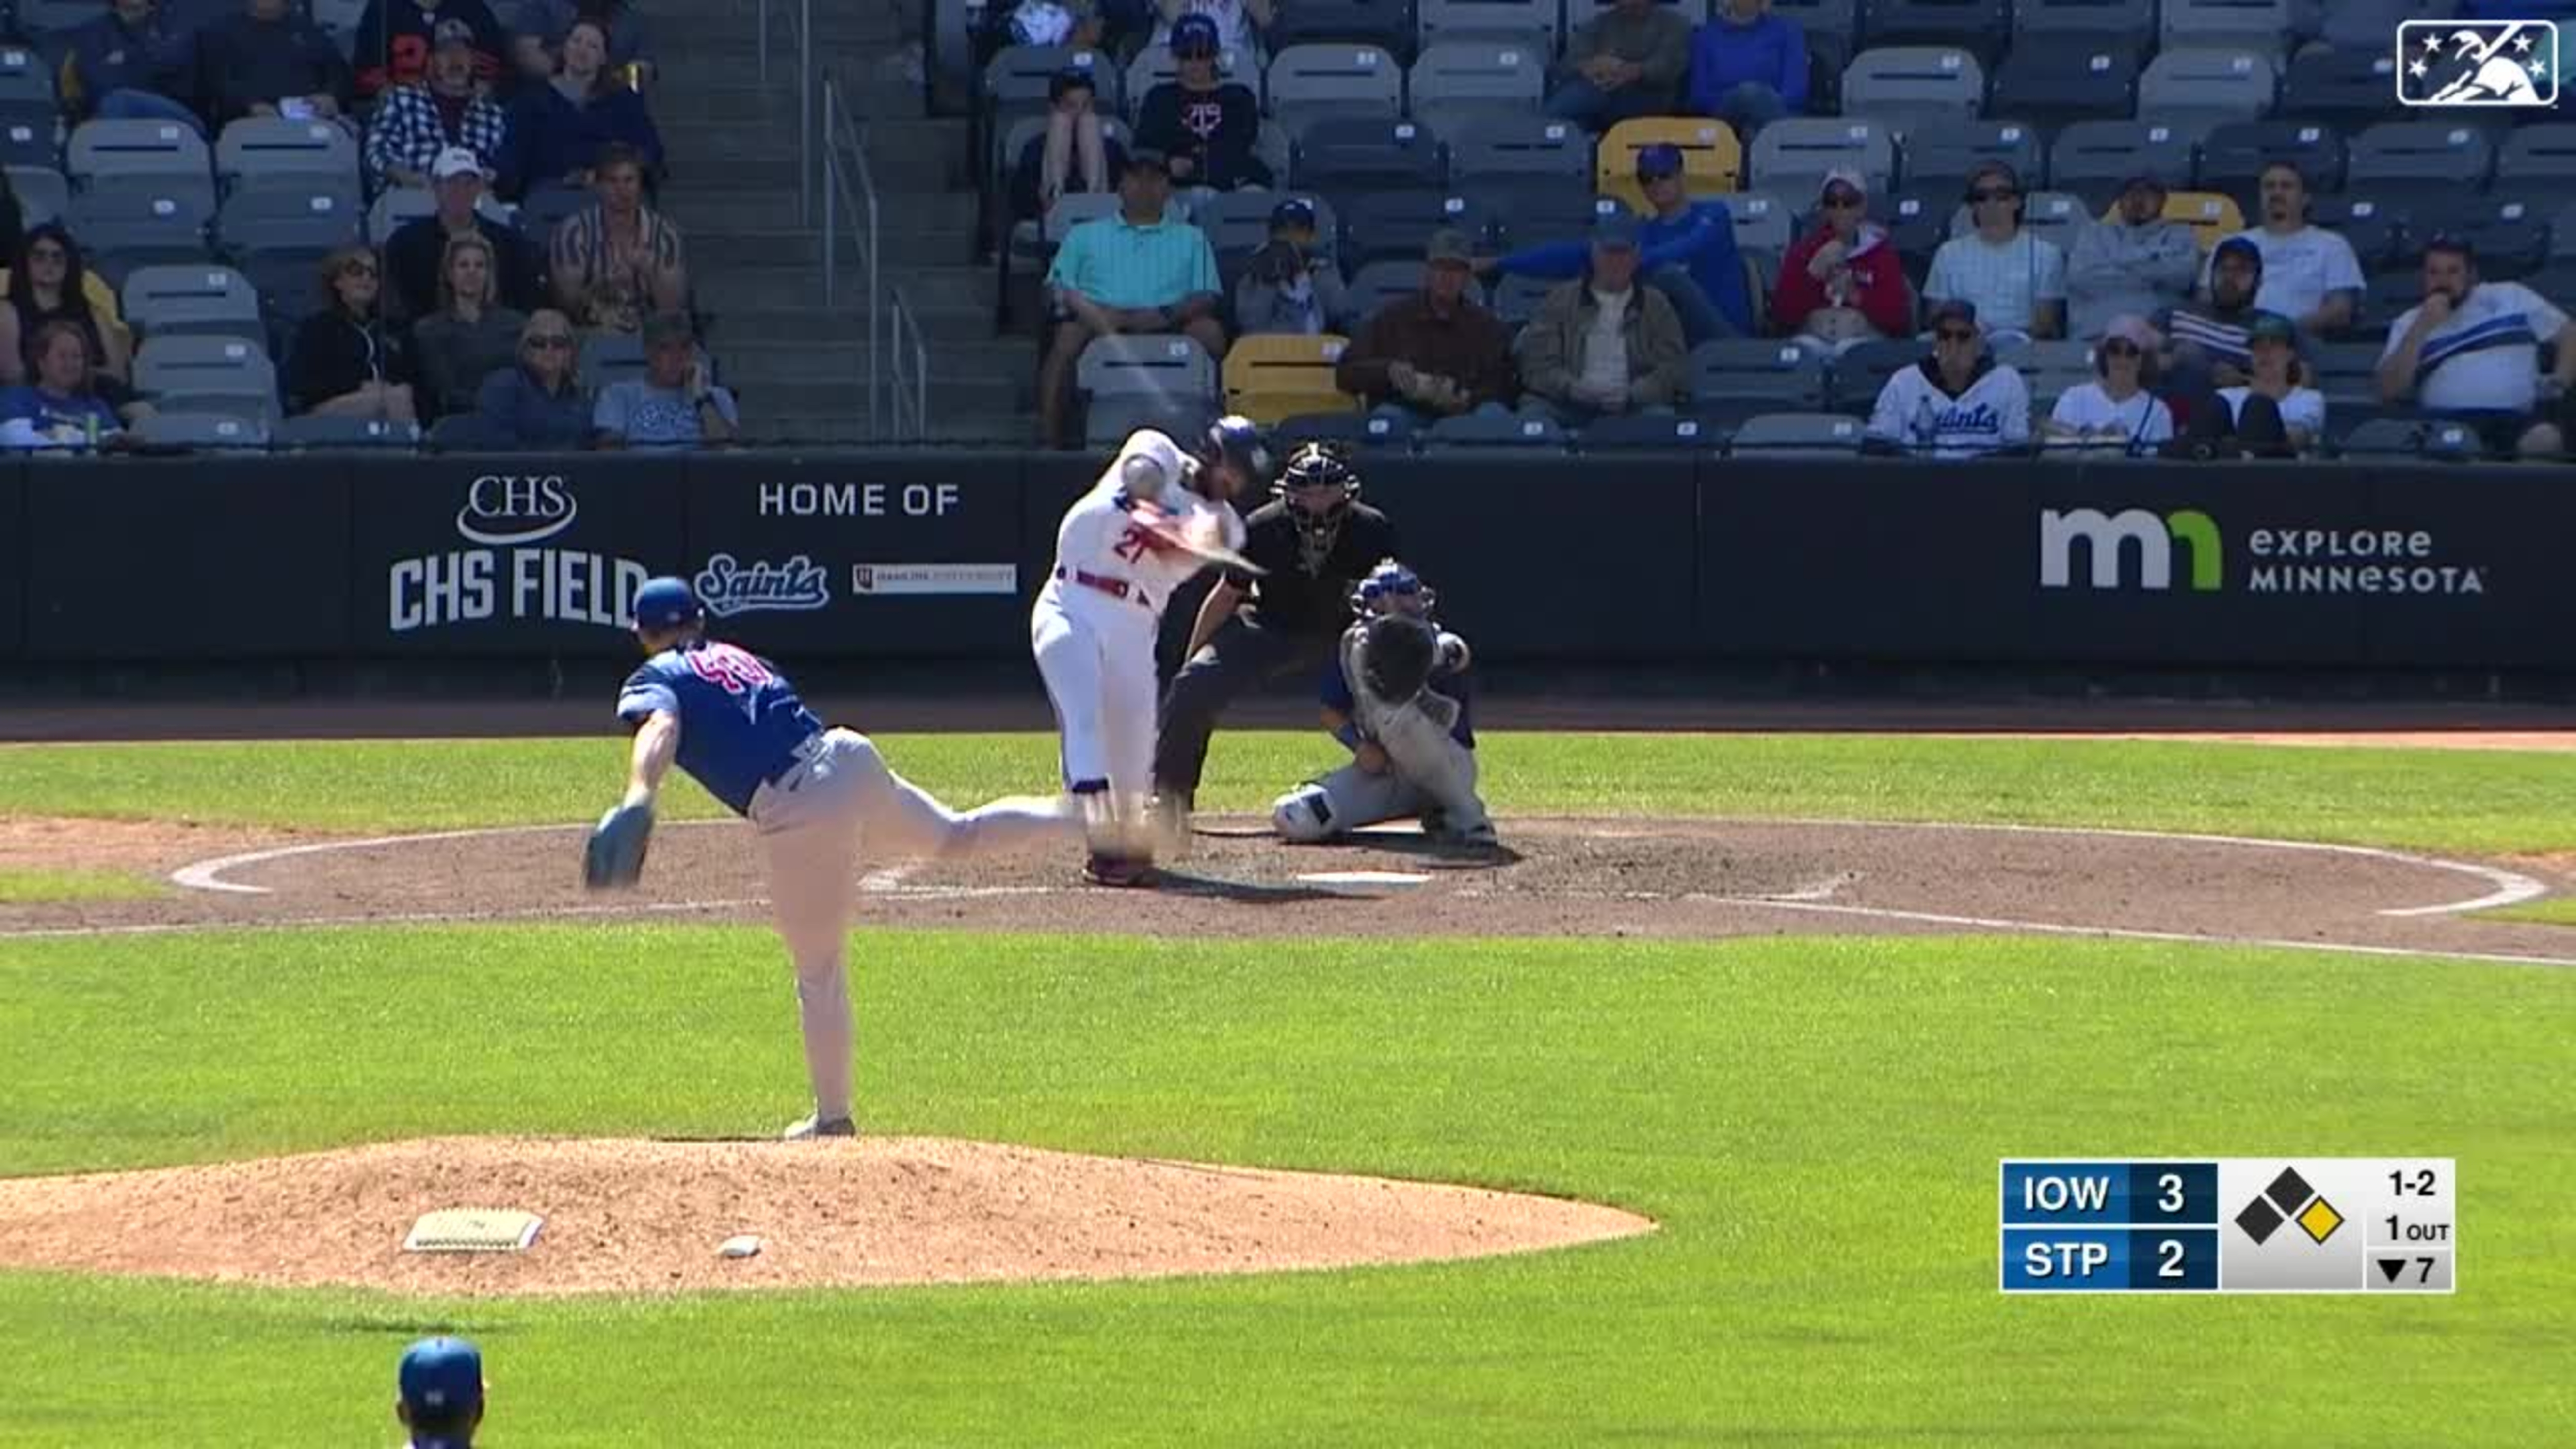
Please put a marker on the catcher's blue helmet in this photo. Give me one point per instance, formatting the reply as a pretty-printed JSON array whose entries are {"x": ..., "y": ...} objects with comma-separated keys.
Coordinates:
[
  {"x": 667, "y": 603},
  {"x": 1390, "y": 581}
]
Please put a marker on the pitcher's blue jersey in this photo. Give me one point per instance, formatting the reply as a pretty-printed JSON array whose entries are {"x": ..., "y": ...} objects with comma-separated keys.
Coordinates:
[{"x": 740, "y": 720}]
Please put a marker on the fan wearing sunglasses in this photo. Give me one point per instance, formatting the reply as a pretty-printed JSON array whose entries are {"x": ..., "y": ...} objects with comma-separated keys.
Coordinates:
[
  {"x": 2016, "y": 281},
  {"x": 346, "y": 362},
  {"x": 1956, "y": 403},
  {"x": 538, "y": 402},
  {"x": 2116, "y": 412}
]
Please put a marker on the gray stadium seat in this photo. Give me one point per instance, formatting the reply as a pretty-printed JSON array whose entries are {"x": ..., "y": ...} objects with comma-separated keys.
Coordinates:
[
  {"x": 201, "y": 367},
  {"x": 1520, "y": 430},
  {"x": 1378, "y": 283},
  {"x": 1154, "y": 66},
  {"x": 1514, "y": 146},
  {"x": 2411, "y": 437},
  {"x": 1655, "y": 433},
  {"x": 1795, "y": 435},
  {"x": 2214, "y": 83},
  {"x": 2051, "y": 367},
  {"x": 2538, "y": 163},
  {"x": 1339, "y": 153},
  {"x": 1918, "y": 220},
  {"x": 2387, "y": 294},
  {"x": 28, "y": 141},
  {"x": 2265, "y": 24},
  {"x": 1914, "y": 88},
  {"x": 1947, "y": 155},
  {"x": 47, "y": 20},
  {"x": 1822, "y": 19},
  {"x": 2511, "y": 236},
  {"x": 202, "y": 430},
  {"x": 1239, "y": 221},
  {"x": 608, "y": 357},
  {"x": 1792, "y": 156},
  {"x": 1399, "y": 224},
  {"x": 465, "y": 432},
  {"x": 396, "y": 205},
  {"x": 2234, "y": 155},
  {"x": 547, "y": 205},
  {"x": 2348, "y": 89},
  {"x": 2130, "y": 20},
  {"x": 2092, "y": 158},
  {"x": 1861, "y": 371},
  {"x": 1530, "y": 212},
  {"x": 256, "y": 147},
  {"x": 1362, "y": 430},
  {"x": 1164, "y": 365},
  {"x": 277, "y": 215},
  {"x": 313, "y": 431},
  {"x": 2052, "y": 80},
  {"x": 2444, "y": 158},
  {"x": 1779, "y": 375},
  {"x": 1335, "y": 79},
  {"x": 1765, "y": 224},
  {"x": 26, "y": 80},
  {"x": 1073, "y": 209},
  {"x": 43, "y": 195},
  {"x": 2345, "y": 372},
  {"x": 172, "y": 301},
  {"x": 1390, "y": 25},
  {"x": 1109, "y": 419},
  {"x": 1517, "y": 299},
  {"x": 1977, "y": 26},
  {"x": 1017, "y": 76},
  {"x": 163, "y": 151},
  {"x": 1461, "y": 77},
  {"x": 1523, "y": 24},
  {"x": 125, "y": 226},
  {"x": 2375, "y": 229}
]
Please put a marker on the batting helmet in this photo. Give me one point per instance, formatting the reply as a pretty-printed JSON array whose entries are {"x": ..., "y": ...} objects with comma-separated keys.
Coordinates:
[
  {"x": 1236, "y": 440},
  {"x": 667, "y": 603}
]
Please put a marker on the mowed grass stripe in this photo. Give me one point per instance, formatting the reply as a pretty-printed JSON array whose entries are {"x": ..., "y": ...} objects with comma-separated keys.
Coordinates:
[
  {"x": 1815, "y": 1123},
  {"x": 2463, "y": 801}
]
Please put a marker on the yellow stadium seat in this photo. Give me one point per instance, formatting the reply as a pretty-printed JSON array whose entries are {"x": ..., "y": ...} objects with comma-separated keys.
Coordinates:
[
  {"x": 1712, "y": 159},
  {"x": 2210, "y": 214},
  {"x": 1273, "y": 376}
]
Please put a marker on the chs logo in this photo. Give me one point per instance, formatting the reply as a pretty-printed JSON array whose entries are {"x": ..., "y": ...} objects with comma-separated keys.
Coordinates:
[{"x": 2107, "y": 536}]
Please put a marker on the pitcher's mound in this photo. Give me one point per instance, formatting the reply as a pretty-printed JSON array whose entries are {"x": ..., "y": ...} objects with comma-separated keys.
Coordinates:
[{"x": 642, "y": 1217}]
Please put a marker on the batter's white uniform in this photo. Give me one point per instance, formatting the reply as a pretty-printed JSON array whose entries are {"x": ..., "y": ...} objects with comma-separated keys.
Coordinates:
[{"x": 1095, "y": 622}]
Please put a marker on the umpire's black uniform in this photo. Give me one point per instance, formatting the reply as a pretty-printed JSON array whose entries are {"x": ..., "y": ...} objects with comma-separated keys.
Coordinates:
[{"x": 1290, "y": 624}]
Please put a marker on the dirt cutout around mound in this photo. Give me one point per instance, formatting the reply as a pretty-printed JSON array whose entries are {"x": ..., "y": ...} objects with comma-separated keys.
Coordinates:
[
  {"x": 145, "y": 847},
  {"x": 649, "y": 1216}
]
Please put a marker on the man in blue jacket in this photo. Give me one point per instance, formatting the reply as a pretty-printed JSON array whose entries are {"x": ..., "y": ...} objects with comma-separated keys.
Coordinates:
[
  {"x": 1687, "y": 252},
  {"x": 1748, "y": 67}
]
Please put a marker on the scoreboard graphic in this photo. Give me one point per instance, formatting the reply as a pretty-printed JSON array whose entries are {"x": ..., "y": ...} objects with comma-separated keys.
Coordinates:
[{"x": 2230, "y": 1225}]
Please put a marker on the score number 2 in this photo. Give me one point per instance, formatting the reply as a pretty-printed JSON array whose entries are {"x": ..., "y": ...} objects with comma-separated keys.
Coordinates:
[{"x": 2416, "y": 1184}]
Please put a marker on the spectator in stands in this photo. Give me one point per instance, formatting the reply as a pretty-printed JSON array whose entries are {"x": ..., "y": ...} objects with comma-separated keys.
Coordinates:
[
  {"x": 1601, "y": 345},
  {"x": 2207, "y": 338},
  {"x": 1628, "y": 62},
  {"x": 470, "y": 336},
  {"x": 619, "y": 260},
  {"x": 2275, "y": 412},
  {"x": 2471, "y": 350},
  {"x": 2310, "y": 274},
  {"x": 417, "y": 251},
  {"x": 1290, "y": 285},
  {"x": 345, "y": 362},
  {"x": 49, "y": 284},
  {"x": 1748, "y": 67},
  {"x": 1203, "y": 125},
  {"x": 1074, "y": 24},
  {"x": 560, "y": 127},
  {"x": 2118, "y": 412},
  {"x": 538, "y": 29},
  {"x": 395, "y": 37},
  {"x": 59, "y": 407},
  {"x": 268, "y": 62},
  {"x": 1843, "y": 282},
  {"x": 414, "y": 123},
  {"x": 126, "y": 65},
  {"x": 2132, "y": 261},
  {"x": 672, "y": 407},
  {"x": 1238, "y": 23},
  {"x": 1956, "y": 403},
  {"x": 1436, "y": 355},
  {"x": 1141, "y": 269},
  {"x": 1688, "y": 252},
  {"x": 540, "y": 402},
  {"x": 1074, "y": 153},
  {"x": 2016, "y": 282},
  {"x": 440, "y": 1393}
]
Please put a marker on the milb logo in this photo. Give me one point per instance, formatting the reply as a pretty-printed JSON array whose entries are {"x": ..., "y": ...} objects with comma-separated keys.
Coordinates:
[{"x": 2107, "y": 538}]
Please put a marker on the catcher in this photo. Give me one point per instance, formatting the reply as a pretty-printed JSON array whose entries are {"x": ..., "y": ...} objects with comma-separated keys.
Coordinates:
[
  {"x": 821, "y": 800},
  {"x": 1396, "y": 696}
]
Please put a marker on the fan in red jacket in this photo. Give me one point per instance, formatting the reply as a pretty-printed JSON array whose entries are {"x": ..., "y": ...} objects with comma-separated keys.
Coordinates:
[{"x": 1843, "y": 282}]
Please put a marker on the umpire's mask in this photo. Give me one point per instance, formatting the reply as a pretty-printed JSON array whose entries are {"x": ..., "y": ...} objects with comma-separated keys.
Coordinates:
[{"x": 1317, "y": 487}]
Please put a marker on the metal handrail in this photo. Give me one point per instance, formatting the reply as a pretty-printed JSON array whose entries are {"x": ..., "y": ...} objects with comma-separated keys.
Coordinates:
[
  {"x": 802, "y": 19},
  {"x": 845, "y": 152},
  {"x": 919, "y": 374}
]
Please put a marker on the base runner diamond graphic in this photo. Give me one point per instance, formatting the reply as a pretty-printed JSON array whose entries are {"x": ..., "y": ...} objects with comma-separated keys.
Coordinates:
[{"x": 2320, "y": 1220}]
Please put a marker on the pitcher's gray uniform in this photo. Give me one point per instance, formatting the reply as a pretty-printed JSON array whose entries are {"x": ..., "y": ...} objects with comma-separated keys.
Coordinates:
[{"x": 1423, "y": 746}]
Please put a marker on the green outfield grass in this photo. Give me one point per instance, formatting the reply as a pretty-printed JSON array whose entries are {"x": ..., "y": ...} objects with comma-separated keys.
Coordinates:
[
  {"x": 2472, "y": 801},
  {"x": 2555, "y": 911},
  {"x": 1815, "y": 1123},
  {"x": 27, "y": 885}
]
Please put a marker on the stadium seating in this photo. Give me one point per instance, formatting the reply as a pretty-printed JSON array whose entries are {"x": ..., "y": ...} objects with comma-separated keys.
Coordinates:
[
  {"x": 1712, "y": 162},
  {"x": 1795, "y": 435},
  {"x": 1271, "y": 378},
  {"x": 1456, "y": 80},
  {"x": 1334, "y": 80},
  {"x": 43, "y": 194},
  {"x": 1527, "y": 214},
  {"x": 2211, "y": 215},
  {"x": 2377, "y": 232},
  {"x": 2128, "y": 21},
  {"x": 1517, "y": 299},
  {"x": 1792, "y": 156},
  {"x": 2346, "y": 89},
  {"x": 316, "y": 431},
  {"x": 202, "y": 430},
  {"x": 1764, "y": 224},
  {"x": 1377, "y": 283},
  {"x": 1388, "y": 25},
  {"x": 1914, "y": 88},
  {"x": 1946, "y": 155},
  {"x": 1976, "y": 26},
  {"x": 1757, "y": 374},
  {"x": 2054, "y": 80},
  {"x": 2234, "y": 155},
  {"x": 1345, "y": 153},
  {"x": 255, "y": 149},
  {"x": 1164, "y": 365},
  {"x": 2438, "y": 160},
  {"x": 1529, "y": 25},
  {"x": 229, "y": 367},
  {"x": 2208, "y": 84},
  {"x": 2265, "y": 23},
  {"x": 2093, "y": 158},
  {"x": 608, "y": 357},
  {"x": 1398, "y": 225},
  {"x": 1155, "y": 65},
  {"x": 1659, "y": 432},
  {"x": 1359, "y": 430},
  {"x": 1519, "y": 430},
  {"x": 200, "y": 300},
  {"x": 1110, "y": 419},
  {"x": 1508, "y": 147}
]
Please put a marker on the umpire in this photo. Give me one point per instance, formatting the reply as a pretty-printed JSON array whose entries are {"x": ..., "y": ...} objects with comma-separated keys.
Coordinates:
[{"x": 1314, "y": 538}]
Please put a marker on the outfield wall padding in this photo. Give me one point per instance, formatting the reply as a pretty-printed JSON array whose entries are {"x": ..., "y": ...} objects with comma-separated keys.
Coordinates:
[{"x": 931, "y": 554}]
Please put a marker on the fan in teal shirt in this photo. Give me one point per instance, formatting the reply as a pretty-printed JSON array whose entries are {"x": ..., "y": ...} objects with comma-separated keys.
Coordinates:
[{"x": 1687, "y": 253}]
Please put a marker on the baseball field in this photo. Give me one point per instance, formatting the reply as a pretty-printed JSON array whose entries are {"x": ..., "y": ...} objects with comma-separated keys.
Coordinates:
[{"x": 1727, "y": 1042}]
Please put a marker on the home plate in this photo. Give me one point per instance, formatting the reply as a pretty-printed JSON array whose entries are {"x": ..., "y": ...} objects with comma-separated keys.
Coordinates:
[{"x": 1363, "y": 882}]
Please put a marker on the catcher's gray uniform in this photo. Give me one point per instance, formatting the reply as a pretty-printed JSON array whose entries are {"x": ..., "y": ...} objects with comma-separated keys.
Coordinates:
[{"x": 1416, "y": 708}]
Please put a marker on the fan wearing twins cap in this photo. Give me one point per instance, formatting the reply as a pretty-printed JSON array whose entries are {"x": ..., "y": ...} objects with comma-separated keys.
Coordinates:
[
  {"x": 395, "y": 38},
  {"x": 1843, "y": 282},
  {"x": 1685, "y": 250},
  {"x": 417, "y": 250},
  {"x": 1237, "y": 23},
  {"x": 1203, "y": 123},
  {"x": 439, "y": 1393}
]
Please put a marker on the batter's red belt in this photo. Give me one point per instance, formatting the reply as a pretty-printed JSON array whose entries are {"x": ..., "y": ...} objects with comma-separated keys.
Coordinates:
[{"x": 1114, "y": 588}]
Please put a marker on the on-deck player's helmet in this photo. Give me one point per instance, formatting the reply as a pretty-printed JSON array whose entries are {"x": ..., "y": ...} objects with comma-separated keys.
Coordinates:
[
  {"x": 1234, "y": 439},
  {"x": 1391, "y": 588},
  {"x": 1317, "y": 487},
  {"x": 667, "y": 603}
]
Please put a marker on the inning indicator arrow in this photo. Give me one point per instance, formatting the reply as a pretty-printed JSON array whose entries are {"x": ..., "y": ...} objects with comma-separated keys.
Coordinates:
[{"x": 2389, "y": 1268}]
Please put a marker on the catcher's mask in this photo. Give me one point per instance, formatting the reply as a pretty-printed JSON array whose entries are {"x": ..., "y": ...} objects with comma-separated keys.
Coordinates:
[
  {"x": 1391, "y": 588},
  {"x": 1232, "y": 444},
  {"x": 1318, "y": 487}
]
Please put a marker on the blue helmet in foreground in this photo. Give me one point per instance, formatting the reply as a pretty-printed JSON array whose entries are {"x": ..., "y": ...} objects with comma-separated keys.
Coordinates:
[
  {"x": 1392, "y": 588},
  {"x": 667, "y": 603}
]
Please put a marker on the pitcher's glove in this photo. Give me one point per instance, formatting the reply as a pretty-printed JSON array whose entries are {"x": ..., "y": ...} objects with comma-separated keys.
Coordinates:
[
  {"x": 1397, "y": 656},
  {"x": 614, "y": 858}
]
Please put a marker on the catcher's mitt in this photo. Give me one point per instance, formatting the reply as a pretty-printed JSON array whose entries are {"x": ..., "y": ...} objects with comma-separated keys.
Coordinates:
[
  {"x": 614, "y": 859},
  {"x": 1398, "y": 656}
]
